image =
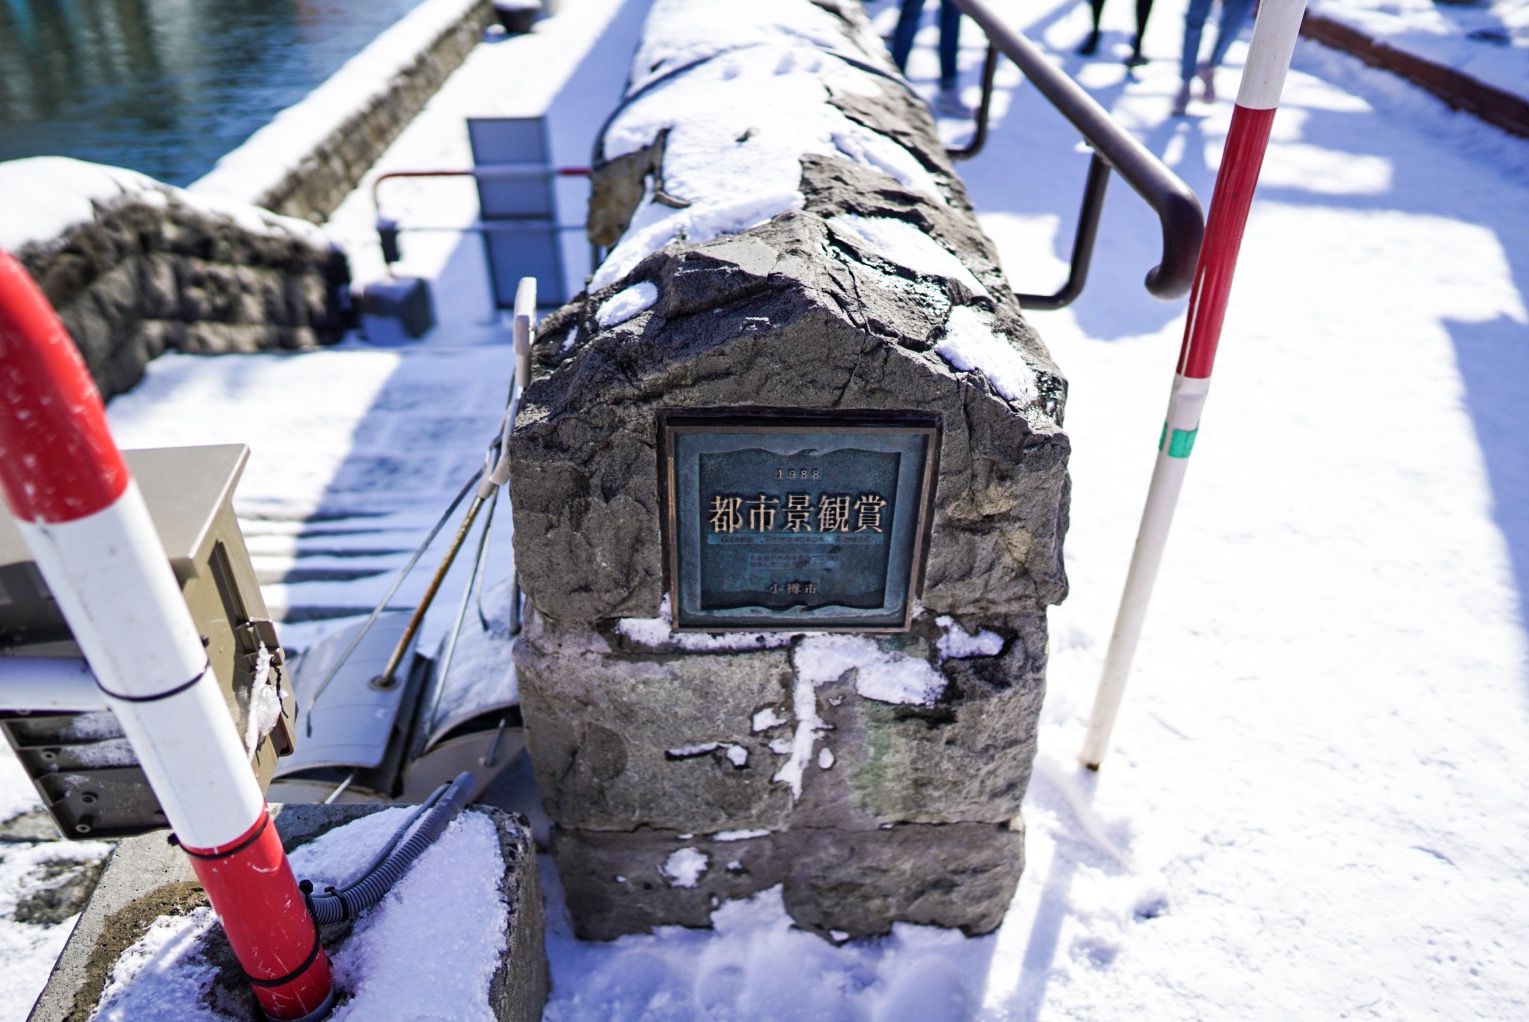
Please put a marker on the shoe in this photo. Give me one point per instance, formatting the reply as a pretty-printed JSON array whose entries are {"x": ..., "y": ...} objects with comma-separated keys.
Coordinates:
[
  {"x": 948, "y": 104},
  {"x": 1135, "y": 59},
  {"x": 1207, "y": 76},
  {"x": 1090, "y": 45},
  {"x": 1181, "y": 101}
]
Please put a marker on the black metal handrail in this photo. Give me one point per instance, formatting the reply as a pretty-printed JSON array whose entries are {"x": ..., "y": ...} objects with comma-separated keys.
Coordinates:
[{"x": 1178, "y": 210}]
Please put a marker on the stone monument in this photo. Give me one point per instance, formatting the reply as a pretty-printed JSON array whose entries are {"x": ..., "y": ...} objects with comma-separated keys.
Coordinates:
[{"x": 790, "y": 488}]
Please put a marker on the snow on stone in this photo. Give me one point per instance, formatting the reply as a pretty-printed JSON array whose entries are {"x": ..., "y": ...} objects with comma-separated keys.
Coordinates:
[
  {"x": 906, "y": 245},
  {"x": 683, "y": 32},
  {"x": 46, "y": 195},
  {"x": 435, "y": 939},
  {"x": 804, "y": 737},
  {"x": 687, "y": 751},
  {"x": 767, "y": 718},
  {"x": 887, "y": 677},
  {"x": 956, "y": 642},
  {"x": 738, "y": 756},
  {"x": 738, "y": 835},
  {"x": 685, "y": 867},
  {"x": 738, "y": 126},
  {"x": 625, "y": 304},
  {"x": 1487, "y": 40},
  {"x": 825, "y": 758},
  {"x": 659, "y": 631},
  {"x": 154, "y": 978},
  {"x": 970, "y": 344}
]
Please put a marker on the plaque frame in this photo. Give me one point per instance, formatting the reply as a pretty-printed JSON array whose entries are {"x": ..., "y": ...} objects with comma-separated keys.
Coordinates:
[{"x": 884, "y": 428}]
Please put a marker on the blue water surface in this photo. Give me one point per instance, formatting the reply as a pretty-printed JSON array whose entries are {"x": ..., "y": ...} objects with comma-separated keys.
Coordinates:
[{"x": 166, "y": 87}]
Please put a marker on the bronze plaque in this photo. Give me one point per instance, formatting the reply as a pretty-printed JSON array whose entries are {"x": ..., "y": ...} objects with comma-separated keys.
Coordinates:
[{"x": 781, "y": 522}]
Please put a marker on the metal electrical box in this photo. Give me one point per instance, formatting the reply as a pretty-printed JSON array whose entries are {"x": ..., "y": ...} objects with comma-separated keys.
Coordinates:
[{"x": 79, "y": 760}]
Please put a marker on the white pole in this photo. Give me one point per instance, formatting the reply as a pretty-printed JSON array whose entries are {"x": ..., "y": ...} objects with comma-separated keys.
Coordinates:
[{"x": 1274, "y": 36}]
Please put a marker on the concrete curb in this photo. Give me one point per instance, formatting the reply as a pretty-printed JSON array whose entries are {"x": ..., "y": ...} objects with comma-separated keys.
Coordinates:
[
  {"x": 1460, "y": 91},
  {"x": 147, "y": 878}
]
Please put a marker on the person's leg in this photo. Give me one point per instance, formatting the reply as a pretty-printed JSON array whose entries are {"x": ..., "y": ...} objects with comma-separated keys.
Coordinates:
[
  {"x": 1091, "y": 43},
  {"x": 1233, "y": 14},
  {"x": 907, "y": 28},
  {"x": 1143, "y": 12},
  {"x": 1194, "y": 32},
  {"x": 1189, "y": 57},
  {"x": 950, "y": 43}
]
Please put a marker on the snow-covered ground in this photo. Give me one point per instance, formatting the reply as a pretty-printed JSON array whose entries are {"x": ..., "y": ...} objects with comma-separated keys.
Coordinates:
[{"x": 1313, "y": 805}]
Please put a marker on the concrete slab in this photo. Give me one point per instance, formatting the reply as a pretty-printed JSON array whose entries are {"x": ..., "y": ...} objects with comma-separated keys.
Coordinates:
[{"x": 147, "y": 878}]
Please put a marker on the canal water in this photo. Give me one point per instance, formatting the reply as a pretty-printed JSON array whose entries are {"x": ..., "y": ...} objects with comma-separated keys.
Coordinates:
[{"x": 166, "y": 87}]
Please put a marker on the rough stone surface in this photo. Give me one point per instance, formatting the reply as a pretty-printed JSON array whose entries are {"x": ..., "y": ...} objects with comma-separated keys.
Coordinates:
[
  {"x": 153, "y": 272},
  {"x": 866, "y": 292},
  {"x": 836, "y": 884},
  {"x": 621, "y": 733},
  {"x": 147, "y": 878},
  {"x": 765, "y": 320}
]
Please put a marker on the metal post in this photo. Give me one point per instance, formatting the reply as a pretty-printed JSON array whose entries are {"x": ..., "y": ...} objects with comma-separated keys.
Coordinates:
[
  {"x": 1274, "y": 36},
  {"x": 88, "y": 529}
]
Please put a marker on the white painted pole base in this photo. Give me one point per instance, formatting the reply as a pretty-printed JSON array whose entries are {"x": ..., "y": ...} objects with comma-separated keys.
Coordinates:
[{"x": 1183, "y": 422}]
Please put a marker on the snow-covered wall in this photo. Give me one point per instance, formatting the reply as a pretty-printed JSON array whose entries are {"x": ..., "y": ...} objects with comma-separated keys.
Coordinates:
[
  {"x": 313, "y": 154},
  {"x": 786, "y": 236},
  {"x": 135, "y": 267}
]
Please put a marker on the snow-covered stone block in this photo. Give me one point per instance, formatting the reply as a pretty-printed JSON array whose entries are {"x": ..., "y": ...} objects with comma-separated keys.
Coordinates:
[
  {"x": 838, "y": 885},
  {"x": 787, "y": 242},
  {"x": 853, "y": 732}
]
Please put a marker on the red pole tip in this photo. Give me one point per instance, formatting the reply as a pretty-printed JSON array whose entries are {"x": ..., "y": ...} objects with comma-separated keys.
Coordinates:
[
  {"x": 58, "y": 462},
  {"x": 265, "y": 916}
]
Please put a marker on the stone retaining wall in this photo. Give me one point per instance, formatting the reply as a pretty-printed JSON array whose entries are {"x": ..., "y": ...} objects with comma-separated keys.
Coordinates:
[
  {"x": 312, "y": 155},
  {"x": 787, "y": 238},
  {"x": 142, "y": 268}
]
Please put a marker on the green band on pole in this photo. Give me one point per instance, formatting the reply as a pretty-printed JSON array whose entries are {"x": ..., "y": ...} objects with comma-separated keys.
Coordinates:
[{"x": 1182, "y": 443}]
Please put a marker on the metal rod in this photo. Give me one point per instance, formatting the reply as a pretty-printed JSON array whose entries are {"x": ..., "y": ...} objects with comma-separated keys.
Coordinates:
[
  {"x": 438, "y": 687},
  {"x": 984, "y": 107},
  {"x": 1083, "y": 241},
  {"x": 485, "y": 172},
  {"x": 1179, "y": 216},
  {"x": 371, "y": 619},
  {"x": 386, "y": 679}
]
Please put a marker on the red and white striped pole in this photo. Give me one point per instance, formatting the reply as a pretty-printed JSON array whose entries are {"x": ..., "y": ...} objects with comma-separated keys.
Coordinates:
[
  {"x": 1274, "y": 36},
  {"x": 87, "y": 526}
]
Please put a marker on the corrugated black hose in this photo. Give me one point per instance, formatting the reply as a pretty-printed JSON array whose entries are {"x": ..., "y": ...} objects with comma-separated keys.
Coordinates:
[{"x": 390, "y": 864}]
